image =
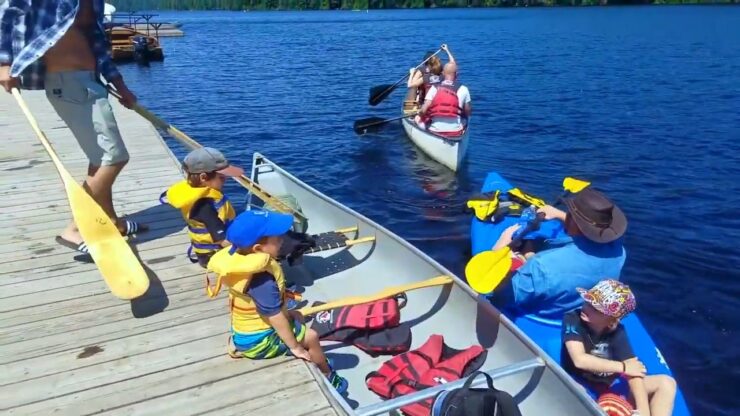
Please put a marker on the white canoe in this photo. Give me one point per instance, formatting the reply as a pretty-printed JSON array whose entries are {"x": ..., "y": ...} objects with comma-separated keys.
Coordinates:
[
  {"x": 447, "y": 151},
  {"x": 517, "y": 365}
]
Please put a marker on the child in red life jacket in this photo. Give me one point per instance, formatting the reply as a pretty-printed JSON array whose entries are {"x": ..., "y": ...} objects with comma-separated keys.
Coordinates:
[
  {"x": 597, "y": 349},
  {"x": 261, "y": 325}
]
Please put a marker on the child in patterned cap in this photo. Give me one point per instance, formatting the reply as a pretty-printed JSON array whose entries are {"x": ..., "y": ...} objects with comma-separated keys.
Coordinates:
[{"x": 597, "y": 351}]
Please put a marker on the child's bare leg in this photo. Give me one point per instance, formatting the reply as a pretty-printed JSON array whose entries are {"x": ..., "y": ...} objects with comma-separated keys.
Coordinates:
[
  {"x": 661, "y": 390},
  {"x": 311, "y": 343}
]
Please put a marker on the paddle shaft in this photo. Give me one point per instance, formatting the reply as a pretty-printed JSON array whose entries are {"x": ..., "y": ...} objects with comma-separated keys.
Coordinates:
[
  {"x": 191, "y": 144},
  {"x": 393, "y": 87},
  {"x": 385, "y": 293},
  {"x": 361, "y": 127}
]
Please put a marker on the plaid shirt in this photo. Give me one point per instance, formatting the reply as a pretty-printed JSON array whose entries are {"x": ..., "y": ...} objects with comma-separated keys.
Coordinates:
[{"x": 27, "y": 32}]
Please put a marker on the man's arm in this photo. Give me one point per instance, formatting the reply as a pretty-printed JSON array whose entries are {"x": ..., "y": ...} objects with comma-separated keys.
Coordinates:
[
  {"x": 446, "y": 48},
  {"x": 10, "y": 17},
  {"x": 428, "y": 100},
  {"x": 105, "y": 65}
]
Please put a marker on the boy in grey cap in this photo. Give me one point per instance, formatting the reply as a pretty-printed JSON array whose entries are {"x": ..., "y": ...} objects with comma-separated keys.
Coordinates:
[{"x": 202, "y": 203}]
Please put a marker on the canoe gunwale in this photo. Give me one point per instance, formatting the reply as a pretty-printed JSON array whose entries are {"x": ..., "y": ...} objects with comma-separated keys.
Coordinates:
[
  {"x": 448, "y": 140},
  {"x": 259, "y": 160},
  {"x": 496, "y": 373}
]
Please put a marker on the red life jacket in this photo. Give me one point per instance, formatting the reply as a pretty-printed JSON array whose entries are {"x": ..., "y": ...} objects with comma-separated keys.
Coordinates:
[
  {"x": 445, "y": 102},
  {"x": 432, "y": 364},
  {"x": 372, "y": 327}
]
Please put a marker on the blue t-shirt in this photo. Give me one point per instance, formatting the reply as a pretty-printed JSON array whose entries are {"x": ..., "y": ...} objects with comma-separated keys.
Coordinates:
[{"x": 546, "y": 284}]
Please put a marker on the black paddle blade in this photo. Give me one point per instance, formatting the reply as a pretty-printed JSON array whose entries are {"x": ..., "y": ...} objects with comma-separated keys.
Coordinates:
[
  {"x": 379, "y": 93},
  {"x": 368, "y": 125}
]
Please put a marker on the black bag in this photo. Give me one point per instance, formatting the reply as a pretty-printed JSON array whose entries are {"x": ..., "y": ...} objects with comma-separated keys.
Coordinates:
[{"x": 467, "y": 401}]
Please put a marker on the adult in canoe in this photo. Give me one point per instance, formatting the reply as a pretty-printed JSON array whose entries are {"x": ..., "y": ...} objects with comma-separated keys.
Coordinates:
[
  {"x": 60, "y": 46},
  {"x": 447, "y": 105},
  {"x": 545, "y": 285}
]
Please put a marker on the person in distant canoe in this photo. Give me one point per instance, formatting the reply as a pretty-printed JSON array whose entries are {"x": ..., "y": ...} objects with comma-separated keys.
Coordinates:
[
  {"x": 261, "y": 325},
  {"x": 202, "y": 203},
  {"x": 447, "y": 105},
  {"x": 545, "y": 285},
  {"x": 596, "y": 350},
  {"x": 60, "y": 46},
  {"x": 422, "y": 79}
]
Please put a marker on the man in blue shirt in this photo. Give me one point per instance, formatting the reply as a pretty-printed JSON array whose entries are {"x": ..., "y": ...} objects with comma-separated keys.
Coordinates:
[
  {"x": 61, "y": 46},
  {"x": 545, "y": 285}
]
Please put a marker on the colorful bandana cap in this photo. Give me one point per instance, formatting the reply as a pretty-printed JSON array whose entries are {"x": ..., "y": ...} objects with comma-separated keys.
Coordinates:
[{"x": 610, "y": 297}]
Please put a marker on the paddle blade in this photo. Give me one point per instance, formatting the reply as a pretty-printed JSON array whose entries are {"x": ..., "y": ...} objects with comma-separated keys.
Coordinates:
[
  {"x": 368, "y": 125},
  {"x": 486, "y": 270},
  {"x": 379, "y": 93},
  {"x": 574, "y": 185},
  {"x": 118, "y": 265}
]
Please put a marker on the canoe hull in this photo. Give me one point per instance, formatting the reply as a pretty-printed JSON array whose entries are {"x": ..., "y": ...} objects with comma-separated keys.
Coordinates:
[
  {"x": 449, "y": 152},
  {"x": 546, "y": 333},
  {"x": 453, "y": 311}
]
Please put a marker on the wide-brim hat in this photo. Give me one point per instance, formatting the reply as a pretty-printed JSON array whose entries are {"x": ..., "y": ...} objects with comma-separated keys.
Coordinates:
[{"x": 598, "y": 218}]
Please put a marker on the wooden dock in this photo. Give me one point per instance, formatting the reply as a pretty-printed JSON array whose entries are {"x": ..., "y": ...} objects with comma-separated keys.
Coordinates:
[{"x": 68, "y": 346}]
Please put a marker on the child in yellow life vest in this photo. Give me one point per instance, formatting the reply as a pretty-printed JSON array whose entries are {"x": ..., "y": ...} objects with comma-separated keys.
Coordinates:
[
  {"x": 202, "y": 203},
  {"x": 261, "y": 325}
]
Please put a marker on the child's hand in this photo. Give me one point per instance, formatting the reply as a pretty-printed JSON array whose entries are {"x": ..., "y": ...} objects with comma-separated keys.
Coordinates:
[
  {"x": 300, "y": 352},
  {"x": 552, "y": 213},
  {"x": 634, "y": 368}
]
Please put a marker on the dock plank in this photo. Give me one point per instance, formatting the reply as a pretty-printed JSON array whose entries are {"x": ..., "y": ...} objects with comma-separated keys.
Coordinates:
[{"x": 68, "y": 346}]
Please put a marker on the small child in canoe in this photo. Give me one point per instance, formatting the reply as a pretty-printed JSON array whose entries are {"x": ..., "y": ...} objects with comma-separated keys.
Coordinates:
[
  {"x": 201, "y": 201},
  {"x": 261, "y": 325},
  {"x": 597, "y": 351}
]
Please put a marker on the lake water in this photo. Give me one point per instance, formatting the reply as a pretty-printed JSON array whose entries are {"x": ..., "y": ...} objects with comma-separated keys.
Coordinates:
[{"x": 645, "y": 102}]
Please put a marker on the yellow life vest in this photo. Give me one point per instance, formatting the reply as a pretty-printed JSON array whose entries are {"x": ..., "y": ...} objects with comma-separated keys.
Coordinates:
[
  {"x": 236, "y": 271},
  {"x": 183, "y": 196}
]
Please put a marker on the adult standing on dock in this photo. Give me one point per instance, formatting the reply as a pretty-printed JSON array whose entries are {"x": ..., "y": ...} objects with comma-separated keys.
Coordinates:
[{"x": 61, "y": 46}]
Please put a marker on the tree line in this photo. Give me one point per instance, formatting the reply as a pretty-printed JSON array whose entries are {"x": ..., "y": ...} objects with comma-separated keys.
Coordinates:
[{"x": 134, "y": 5}]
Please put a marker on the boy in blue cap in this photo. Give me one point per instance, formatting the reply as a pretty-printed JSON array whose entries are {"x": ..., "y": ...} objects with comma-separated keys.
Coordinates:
[{"x": 261, "y": 325}]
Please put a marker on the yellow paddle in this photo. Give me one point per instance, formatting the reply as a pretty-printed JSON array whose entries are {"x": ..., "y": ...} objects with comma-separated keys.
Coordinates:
[
  {"x": 118, "y": 265},
  {"x": 191, "y": 144},
  {"x": 486, "y": 270},
  {"x": 385, "y": 293}
]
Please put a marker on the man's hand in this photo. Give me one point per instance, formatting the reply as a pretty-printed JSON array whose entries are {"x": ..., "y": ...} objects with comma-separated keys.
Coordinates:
[
  {"x": 444, "y": 47},
  {"x": 552, "y": 213},
  {"x": 6, "y": 80},
  {"x": 506, "y": 237}
]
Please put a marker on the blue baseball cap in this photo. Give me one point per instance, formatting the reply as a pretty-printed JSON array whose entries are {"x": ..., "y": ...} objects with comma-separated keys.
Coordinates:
[{"x": 249, "y": 226}]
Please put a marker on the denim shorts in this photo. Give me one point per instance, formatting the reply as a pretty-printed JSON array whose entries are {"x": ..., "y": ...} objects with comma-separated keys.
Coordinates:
[{"x": 82, "y": 103}]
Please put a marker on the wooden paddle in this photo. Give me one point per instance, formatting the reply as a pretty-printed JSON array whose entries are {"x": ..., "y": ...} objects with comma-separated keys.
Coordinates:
[
  {"x": 379, "y": 93},
  {"x": 487, "y": 269},
  {"x": 191, "y": 144},
  {"x": 117, "y": 263},
  {"x": 373, "y": 124},
  {"x": 385, "y": 293}
]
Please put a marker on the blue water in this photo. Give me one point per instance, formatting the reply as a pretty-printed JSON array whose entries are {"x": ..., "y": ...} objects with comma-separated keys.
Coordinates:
[{"x": 645, "y": 102}]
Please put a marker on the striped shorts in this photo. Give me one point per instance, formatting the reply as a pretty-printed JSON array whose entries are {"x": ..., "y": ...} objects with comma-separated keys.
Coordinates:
[{"x": 265, "y": 346}]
